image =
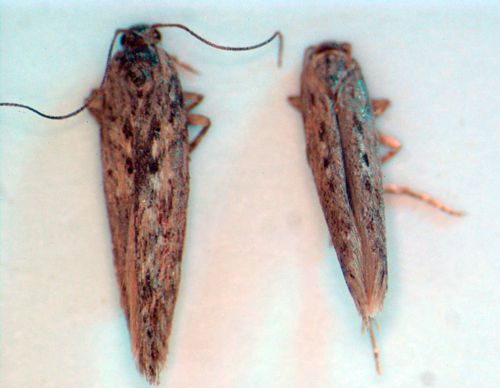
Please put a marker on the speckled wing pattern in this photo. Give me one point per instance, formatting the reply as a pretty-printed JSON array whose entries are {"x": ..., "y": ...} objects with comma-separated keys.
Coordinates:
[
  {"x": 342, "y": 153},
  {"x": 145, "y": 150}
]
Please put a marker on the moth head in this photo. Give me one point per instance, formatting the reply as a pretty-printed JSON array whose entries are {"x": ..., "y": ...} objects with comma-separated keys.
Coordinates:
[
  {"x": 140, "y": 35},
  {"x": 327, "y": 47}
]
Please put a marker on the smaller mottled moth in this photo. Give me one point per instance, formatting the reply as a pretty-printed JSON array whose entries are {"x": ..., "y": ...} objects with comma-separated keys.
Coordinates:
[
  {"x": 342, "y": 150},
  {"x": 144, "y": 115}
]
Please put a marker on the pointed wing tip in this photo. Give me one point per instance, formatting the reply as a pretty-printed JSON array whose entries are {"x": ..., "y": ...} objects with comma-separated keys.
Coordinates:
[
  {"x": 150, "y": 363},
  {"x": 151, "y": 373}
]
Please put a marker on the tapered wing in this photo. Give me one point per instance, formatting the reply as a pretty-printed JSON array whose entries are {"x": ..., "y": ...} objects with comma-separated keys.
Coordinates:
[{"x": 145, "y": 166}]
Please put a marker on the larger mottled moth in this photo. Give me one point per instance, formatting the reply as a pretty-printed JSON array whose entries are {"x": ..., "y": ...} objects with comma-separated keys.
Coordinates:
[
  {"x": 342, "y": 151},
  {"x": 144, "y": 115}
]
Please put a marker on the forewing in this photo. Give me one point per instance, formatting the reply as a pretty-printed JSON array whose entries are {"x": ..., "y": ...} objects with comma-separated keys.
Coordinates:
[
  {"x": 326, "y": 159},
  {"x": 364, "y": 183},
  {"x": 117, "y": 167},
  {"x": 145, "y": 142}
]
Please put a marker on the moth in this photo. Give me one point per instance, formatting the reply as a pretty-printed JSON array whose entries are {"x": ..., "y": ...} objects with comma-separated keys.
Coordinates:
[
  {"x": 342, "y": 151},
  {"x": 144, "y": 115}
]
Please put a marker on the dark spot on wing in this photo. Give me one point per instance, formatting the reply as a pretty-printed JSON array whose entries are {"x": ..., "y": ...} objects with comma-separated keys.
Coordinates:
[
  {"x": 365, "y": 159},
  {"x": 129, "y": 166},
  {"x": 370, "y": 226},
  {"x": 147, "y": 104},
  {"x": 155, "y": 127},
  {"x": 147, "y": 292},
  {"x": 368, "y": 185},
  {"x": 381, "y": 277},
  {"x": 173, "y": 82},
  {"x": 358, "y": 127},
  {"x": 171, "y": 114},
  {"x": 173, "y": 79},
  {"x": 127, "y": 129},
  {"x": 154, "y": 353},
  {"x": 169, "y": 202},
  {"x": 153, "y": 166},
  {"x": 343, "y": 247},
  {"x": 312, "y": 98},
  {"x": 322, "y": 131},
  {"x": 134, "y": 101}
]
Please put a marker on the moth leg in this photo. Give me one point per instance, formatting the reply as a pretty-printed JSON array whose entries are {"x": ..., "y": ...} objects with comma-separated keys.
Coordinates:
[
  {"x": 379, "y": 106},
  {"x": 193, "y": 98},
  {"x": 396, "y": 189},
  {"x": 192, "y": 101},
  {"x": 204, "y": 122},
  {"x": 184, "y": 65},
  {"x": 295, "y": 102},
  {"x": 390, "y": 142}
]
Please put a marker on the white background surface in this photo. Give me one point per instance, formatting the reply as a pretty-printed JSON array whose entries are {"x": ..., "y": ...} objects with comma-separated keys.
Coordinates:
[{"x": 262, "y": 300}]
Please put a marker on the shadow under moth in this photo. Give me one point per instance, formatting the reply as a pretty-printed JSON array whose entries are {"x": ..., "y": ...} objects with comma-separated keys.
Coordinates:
[
  {"x": 342, "y": 151},
  {"x": 143, "y": 115}
]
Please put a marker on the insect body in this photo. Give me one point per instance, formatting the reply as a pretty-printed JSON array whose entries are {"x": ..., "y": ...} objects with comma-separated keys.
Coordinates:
[
  {"x": 144, "y": 147},
  {"x": 143, "y": 115},
  {"x": 341, "y": 147}
]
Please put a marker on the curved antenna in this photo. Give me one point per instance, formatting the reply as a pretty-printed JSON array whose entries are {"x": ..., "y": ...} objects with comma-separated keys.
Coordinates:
[
  {"x": 277, "y": 34},
  {"x": 15, "y": 105},
  {"x": 227, "y": 48},
  {"x": 75, "y": 112}
]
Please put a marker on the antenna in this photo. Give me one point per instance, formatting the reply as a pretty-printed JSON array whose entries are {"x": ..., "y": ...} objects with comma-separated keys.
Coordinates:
[
  {"x": 75, "y": 112},
  {"x": 277, "y": 34}
]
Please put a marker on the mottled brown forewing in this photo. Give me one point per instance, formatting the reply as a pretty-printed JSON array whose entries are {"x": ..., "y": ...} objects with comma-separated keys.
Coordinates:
[
  {"x": 144, "y": 143},
  {"x": 342, "y": 152}
]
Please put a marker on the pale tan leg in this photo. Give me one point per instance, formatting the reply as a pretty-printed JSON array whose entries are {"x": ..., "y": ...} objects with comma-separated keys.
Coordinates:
[
  {"x": 204, "y": 122},
  {"x": 379, "y": 106},
  {"x": 390, "y": 142},
  {"x": 295, "y": 102},
  {"x": 184, "y": 65},
  {"x": 194, "y": 99},
  {"x": 396, "y": 189}
]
